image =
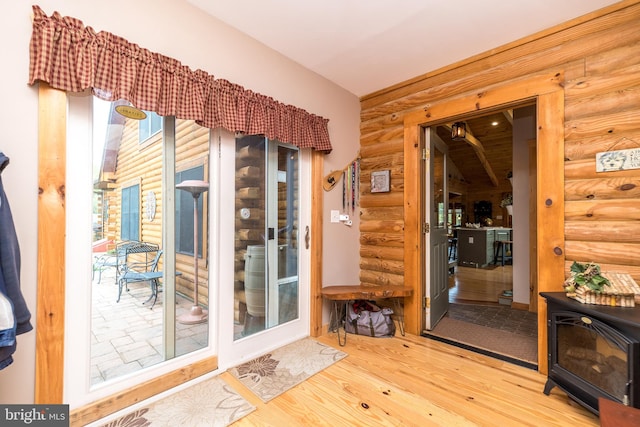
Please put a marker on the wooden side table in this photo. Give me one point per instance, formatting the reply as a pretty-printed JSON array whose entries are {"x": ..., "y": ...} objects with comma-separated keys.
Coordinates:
[{"x": 344, "y": 293}]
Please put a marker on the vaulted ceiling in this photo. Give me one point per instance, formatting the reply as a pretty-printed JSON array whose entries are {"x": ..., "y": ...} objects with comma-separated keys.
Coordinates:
[
  {"x": 485, "y": 156},
  {"x": 368, "y": 45}
]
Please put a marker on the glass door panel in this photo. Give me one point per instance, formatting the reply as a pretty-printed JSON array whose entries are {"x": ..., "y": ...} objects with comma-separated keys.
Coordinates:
[
  {"x": 143, "y": 245},
  {"x": 266, "y": 235},
  {"x": 191, "y": 245},
  {"x": 287, "y": 249}
]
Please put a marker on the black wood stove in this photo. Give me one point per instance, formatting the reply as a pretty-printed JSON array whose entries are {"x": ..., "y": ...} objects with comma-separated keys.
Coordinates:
[{"x": 593, "y": 351}]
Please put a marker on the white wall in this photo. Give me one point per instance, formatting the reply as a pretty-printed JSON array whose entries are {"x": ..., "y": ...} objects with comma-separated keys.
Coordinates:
[
  {"x": 524, "y": 130},
  {"x": 173, "y": 28}
]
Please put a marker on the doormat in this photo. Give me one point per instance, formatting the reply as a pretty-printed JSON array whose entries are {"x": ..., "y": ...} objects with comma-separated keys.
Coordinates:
[
  {"x": 483, "y": 351},
  {"x": 501, "y": 344},
  {"x": 274, "y": 373},
  {"x": 211, "y": 402}
]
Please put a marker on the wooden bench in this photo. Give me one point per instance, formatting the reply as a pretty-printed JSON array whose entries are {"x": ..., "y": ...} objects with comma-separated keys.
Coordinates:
[{"x": 345, "y": 293}]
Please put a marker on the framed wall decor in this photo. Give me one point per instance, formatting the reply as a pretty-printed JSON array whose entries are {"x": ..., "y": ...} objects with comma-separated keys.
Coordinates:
[
  {"x": 151, "y": 205},
  {"x": 380, "y": 181}
]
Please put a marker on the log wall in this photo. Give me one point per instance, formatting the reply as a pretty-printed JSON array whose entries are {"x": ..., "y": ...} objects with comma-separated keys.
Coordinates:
[{"x": 599, "y": 55}]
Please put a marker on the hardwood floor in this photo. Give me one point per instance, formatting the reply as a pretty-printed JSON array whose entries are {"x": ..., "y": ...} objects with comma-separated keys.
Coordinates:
[
  {"x": 414, "y": 381},
  {"x": 468, "y": 285}
]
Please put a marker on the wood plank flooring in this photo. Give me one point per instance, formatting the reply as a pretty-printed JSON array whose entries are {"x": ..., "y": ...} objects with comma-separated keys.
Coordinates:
[
  {"x": 414, "y": 381},
  {"x": 481, "y": 285}
]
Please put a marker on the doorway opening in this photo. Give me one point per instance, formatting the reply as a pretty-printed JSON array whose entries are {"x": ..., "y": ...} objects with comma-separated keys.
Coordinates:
[{"x": 491, "y": 256}]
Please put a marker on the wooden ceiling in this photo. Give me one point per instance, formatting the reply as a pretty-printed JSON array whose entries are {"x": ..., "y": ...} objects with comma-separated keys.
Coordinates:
[{"x": 485, "y": 157}]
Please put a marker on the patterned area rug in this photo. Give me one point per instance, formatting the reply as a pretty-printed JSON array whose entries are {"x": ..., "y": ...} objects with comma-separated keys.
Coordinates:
[
  {"x": 209, "y": 403},
  {"x": 274, "y": 373}
]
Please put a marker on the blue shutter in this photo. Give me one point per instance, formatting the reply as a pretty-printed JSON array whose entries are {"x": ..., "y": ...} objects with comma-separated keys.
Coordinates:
[{"x": 130, "y": 213}]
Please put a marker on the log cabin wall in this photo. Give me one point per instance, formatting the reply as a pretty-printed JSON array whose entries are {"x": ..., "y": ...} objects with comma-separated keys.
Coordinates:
[
  {"x": 599, "y": 55},
  {"x": 141, "y": 163}
]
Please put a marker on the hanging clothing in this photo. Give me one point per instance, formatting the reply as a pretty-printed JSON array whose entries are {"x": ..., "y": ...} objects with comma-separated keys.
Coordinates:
[
  {"x": 12, "y": 305},
  {"x": 7, "y": 329}
]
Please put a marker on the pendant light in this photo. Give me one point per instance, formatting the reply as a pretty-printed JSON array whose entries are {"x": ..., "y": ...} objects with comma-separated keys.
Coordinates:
[{"x": 458, "y": 131}]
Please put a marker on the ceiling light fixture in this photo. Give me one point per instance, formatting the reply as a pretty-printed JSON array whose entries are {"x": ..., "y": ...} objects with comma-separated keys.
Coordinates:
[{"x": 458, "y": 131}]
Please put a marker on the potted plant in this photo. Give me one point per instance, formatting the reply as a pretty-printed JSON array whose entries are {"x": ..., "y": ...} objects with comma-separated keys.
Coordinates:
[
  {"x": 588, "y": 275},
  {"x": 507, "y": 202}
]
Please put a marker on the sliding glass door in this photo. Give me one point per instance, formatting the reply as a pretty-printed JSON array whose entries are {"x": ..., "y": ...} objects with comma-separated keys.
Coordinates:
[
  {"x": 267, "y": 216},
  {"x": 266, "y": 230}
]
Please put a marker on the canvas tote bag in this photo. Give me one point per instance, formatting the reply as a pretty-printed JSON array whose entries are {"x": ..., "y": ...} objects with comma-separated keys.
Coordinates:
[{"x": 366, "y": 318}]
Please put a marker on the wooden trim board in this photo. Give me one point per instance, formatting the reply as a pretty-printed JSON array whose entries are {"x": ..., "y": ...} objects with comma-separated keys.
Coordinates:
[
  {"x": 52, "y": 137},
  {"x": 547, "y": 92}
]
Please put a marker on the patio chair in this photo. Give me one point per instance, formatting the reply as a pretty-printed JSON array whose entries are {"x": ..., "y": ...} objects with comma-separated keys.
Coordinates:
[
  {"x": 141, "y": 271},
  {"x": 112, "y": 259}
]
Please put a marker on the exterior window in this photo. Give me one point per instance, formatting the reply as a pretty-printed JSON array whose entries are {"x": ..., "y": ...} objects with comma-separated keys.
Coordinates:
[
  {"x": 184, "y": 213},
  {"x": 149, "y": 126},
  {"x": 130, "y": 213}
]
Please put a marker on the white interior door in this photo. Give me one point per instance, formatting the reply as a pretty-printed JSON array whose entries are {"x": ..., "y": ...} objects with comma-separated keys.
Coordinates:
[{"x": 436, "y": 259}]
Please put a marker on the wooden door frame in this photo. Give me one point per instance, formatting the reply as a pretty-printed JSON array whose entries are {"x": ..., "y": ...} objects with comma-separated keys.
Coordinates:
[
  {"x": 547, "y": 92},
  {"x": 50, "y": 298}
]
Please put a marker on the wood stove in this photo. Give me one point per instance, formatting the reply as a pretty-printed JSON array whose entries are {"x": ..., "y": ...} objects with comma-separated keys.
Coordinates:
[{"x": 593, "y": 351}]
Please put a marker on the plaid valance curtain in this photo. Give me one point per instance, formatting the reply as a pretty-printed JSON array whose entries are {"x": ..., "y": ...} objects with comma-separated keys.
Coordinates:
[{"x": 71, "y": 57}]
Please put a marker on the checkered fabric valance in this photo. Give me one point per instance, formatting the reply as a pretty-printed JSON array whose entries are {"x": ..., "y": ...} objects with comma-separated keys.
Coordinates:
[{"x": 71, "y": 57}]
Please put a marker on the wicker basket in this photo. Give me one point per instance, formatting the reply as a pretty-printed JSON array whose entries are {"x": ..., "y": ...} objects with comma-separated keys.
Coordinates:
[{"x": 623, "y": 292}]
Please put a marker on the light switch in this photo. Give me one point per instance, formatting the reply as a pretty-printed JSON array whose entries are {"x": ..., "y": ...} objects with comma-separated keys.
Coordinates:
[{"x": 335, "y": 216}]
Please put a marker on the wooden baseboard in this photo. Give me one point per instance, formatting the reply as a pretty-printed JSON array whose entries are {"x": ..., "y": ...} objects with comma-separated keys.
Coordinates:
[{"x": 520, "y": 306}]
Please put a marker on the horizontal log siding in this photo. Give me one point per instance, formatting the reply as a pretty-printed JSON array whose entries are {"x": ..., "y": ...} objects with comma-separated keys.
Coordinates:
[{"x": 600, "y": 57}]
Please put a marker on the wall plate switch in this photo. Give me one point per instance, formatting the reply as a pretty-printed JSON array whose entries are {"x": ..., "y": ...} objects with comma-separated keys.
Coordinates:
[{"x": 335, "y": 216}]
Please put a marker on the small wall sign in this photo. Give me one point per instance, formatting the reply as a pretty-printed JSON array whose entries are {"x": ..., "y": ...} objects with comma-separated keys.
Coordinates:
[
  {"x": 380, "y": 181},
  {"x": 618, "y": 160},
  {"x": 131, "y": 112}
]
